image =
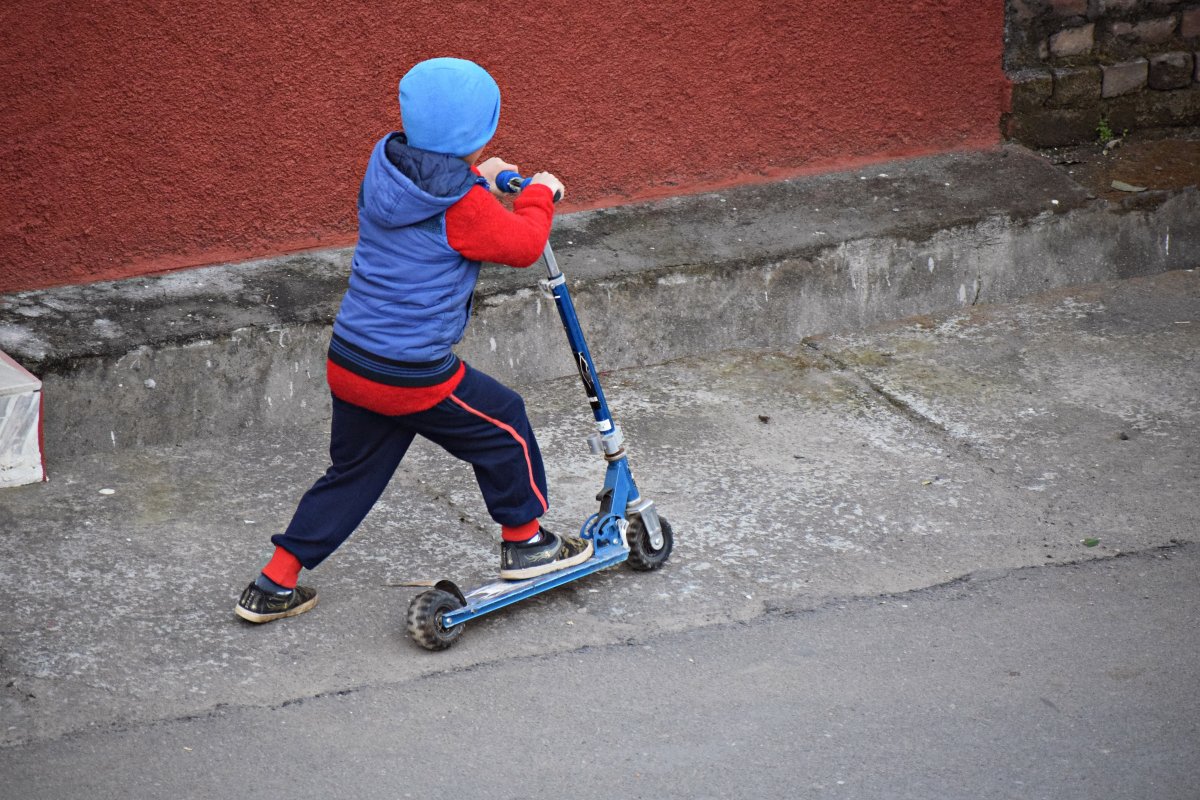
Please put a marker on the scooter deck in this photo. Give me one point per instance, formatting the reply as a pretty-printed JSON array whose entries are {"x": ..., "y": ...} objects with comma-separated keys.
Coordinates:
[{"x": 498, "y": 594}]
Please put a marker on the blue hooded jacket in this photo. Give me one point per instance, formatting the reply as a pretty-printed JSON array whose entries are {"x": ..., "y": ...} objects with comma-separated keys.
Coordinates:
[{"x": 410, "y": 292}]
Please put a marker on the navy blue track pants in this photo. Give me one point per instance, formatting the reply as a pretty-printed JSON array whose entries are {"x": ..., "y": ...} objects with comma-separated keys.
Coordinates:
[{"x": 483, "y": 422}]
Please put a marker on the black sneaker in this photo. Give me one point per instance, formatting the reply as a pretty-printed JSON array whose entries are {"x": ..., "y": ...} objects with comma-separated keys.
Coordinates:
[
  {"x": 257, "y": 605},
  {"x": 551, "y": 552}
]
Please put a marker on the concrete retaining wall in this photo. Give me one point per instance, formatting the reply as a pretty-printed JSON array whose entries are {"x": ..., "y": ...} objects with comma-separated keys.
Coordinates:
[{"x": 239, "y": 349}]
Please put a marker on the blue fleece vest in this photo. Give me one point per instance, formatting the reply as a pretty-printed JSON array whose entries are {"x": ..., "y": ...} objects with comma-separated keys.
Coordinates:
[{"x": 410, "y": 292}]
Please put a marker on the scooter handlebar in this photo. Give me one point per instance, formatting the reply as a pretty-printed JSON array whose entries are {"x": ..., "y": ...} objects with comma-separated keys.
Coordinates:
[{"x": 512, "y": 183}]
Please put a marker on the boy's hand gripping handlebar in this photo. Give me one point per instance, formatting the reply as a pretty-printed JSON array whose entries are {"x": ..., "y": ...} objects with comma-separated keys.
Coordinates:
[{"x": 512, "y": 182}]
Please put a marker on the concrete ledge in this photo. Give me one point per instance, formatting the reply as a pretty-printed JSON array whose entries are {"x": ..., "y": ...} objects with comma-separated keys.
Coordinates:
[{"x": 233, "y": 348}]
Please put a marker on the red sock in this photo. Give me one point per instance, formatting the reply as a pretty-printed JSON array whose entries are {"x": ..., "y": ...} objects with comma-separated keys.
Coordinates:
[
  {"x": 283, "y": 568},
  {"x": 519, "y": 533}
]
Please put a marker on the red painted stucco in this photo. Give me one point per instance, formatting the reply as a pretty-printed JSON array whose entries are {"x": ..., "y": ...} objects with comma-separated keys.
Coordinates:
[{"x": 137, "y": 137}]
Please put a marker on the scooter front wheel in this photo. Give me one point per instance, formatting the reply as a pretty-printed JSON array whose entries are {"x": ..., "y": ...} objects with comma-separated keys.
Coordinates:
[
  {"x": 425, "y": 619},
  {"x": 642, "y": 555}
]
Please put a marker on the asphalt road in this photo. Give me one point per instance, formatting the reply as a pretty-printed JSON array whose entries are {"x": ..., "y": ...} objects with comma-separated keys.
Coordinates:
[{"x": 1047, "y": 682}]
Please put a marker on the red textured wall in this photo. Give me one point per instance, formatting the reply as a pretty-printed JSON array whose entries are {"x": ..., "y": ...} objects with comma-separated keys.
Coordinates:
[{"x": 138, "y": 137}]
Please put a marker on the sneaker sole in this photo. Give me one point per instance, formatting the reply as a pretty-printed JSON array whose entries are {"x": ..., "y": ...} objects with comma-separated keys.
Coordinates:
[
  {"x": 549, "y": 566},
  {"x": 251, "y": 616}
]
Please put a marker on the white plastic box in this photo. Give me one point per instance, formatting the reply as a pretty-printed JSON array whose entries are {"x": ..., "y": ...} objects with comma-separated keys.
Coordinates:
[{"x": 20, "y": 425}]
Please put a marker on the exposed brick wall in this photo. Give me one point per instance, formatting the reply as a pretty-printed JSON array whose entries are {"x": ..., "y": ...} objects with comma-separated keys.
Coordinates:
[{"x": 1076, "y": 64}]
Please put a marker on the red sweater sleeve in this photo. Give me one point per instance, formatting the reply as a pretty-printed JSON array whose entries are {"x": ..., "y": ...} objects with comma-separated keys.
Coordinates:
[{"x": 482, "y": 229}]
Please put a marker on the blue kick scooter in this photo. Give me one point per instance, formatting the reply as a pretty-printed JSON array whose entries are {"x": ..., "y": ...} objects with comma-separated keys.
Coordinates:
[{"x": 625, "y": 528}]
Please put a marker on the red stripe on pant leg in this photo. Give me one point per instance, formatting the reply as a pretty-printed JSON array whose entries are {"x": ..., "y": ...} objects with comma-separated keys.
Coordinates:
[{"x": 508, "y": 429}]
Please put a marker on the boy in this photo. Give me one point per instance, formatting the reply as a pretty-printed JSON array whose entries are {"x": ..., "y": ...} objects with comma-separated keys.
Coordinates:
[{"x": 427, "y": 218}]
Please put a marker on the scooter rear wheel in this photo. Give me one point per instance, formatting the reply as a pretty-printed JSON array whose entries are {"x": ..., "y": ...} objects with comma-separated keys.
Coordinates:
[
  {"x": 425, "y": 619},
  {"x": 642, "y": 555}
]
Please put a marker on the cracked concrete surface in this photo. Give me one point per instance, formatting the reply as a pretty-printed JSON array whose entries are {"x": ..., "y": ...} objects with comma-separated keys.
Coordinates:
[{"x": 848, "y": 465}]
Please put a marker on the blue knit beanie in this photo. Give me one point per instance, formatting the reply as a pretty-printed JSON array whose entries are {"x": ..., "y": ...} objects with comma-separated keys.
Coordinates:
[{"x": 449, "y": 105}]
